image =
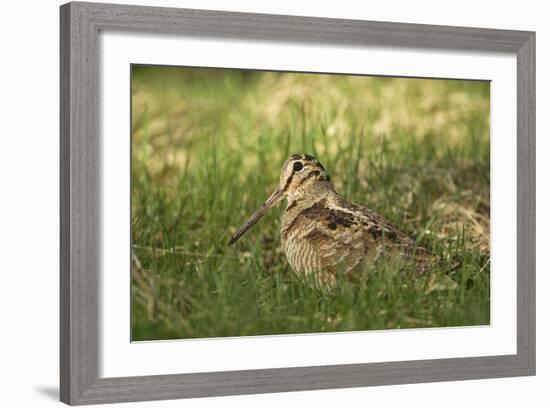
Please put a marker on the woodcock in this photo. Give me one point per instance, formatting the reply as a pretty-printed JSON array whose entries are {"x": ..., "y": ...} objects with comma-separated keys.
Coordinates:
[{"x": 321, "y": 233}]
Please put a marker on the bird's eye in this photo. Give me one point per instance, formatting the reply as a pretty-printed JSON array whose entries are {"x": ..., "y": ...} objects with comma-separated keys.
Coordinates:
[{"x": 298, "y": 166}]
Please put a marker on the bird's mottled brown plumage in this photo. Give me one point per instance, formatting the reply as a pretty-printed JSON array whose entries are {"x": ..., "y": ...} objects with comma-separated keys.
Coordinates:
[{"x": 321, "y": 233}]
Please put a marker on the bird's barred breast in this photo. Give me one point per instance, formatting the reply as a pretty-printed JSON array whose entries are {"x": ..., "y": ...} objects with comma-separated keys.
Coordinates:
[{"x": 311, "y": 246}]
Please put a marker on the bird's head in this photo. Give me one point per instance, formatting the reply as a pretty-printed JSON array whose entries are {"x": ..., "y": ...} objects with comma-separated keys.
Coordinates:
[{"x": 303, "y": 177}]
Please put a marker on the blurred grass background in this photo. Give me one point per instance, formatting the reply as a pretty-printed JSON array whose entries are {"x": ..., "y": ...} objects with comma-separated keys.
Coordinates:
[{"x": 207, "y": 148}]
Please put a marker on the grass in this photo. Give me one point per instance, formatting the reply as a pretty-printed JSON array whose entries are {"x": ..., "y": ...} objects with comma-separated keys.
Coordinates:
[{"x": 207, "y": 147}]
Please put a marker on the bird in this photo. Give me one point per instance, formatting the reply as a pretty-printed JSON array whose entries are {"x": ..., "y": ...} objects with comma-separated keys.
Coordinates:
[{"x": 325, "y": 236}]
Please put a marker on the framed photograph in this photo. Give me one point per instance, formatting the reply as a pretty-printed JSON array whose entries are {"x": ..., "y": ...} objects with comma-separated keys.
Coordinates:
[{"x": 261, "y": 203}]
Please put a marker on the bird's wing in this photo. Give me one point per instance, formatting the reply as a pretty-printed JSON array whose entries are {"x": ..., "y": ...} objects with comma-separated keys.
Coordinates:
[
  {"x": 334, "y": 237},
  {"x": 383, "y": 235}
]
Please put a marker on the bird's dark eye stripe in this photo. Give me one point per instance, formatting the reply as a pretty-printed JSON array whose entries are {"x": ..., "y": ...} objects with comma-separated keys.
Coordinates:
[{"x": 297, "y": 166}]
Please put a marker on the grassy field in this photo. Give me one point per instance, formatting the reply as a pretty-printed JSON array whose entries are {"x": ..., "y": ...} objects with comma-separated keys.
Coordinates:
[{"x": 207, "y": 148}]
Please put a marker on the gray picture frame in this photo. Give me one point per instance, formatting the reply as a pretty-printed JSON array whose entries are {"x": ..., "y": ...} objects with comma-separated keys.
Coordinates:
[{"x": 81, "y": 24}]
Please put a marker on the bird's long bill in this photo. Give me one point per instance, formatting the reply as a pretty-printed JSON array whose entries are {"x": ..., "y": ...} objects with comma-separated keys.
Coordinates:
[{"x": 271, "y": 202}]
